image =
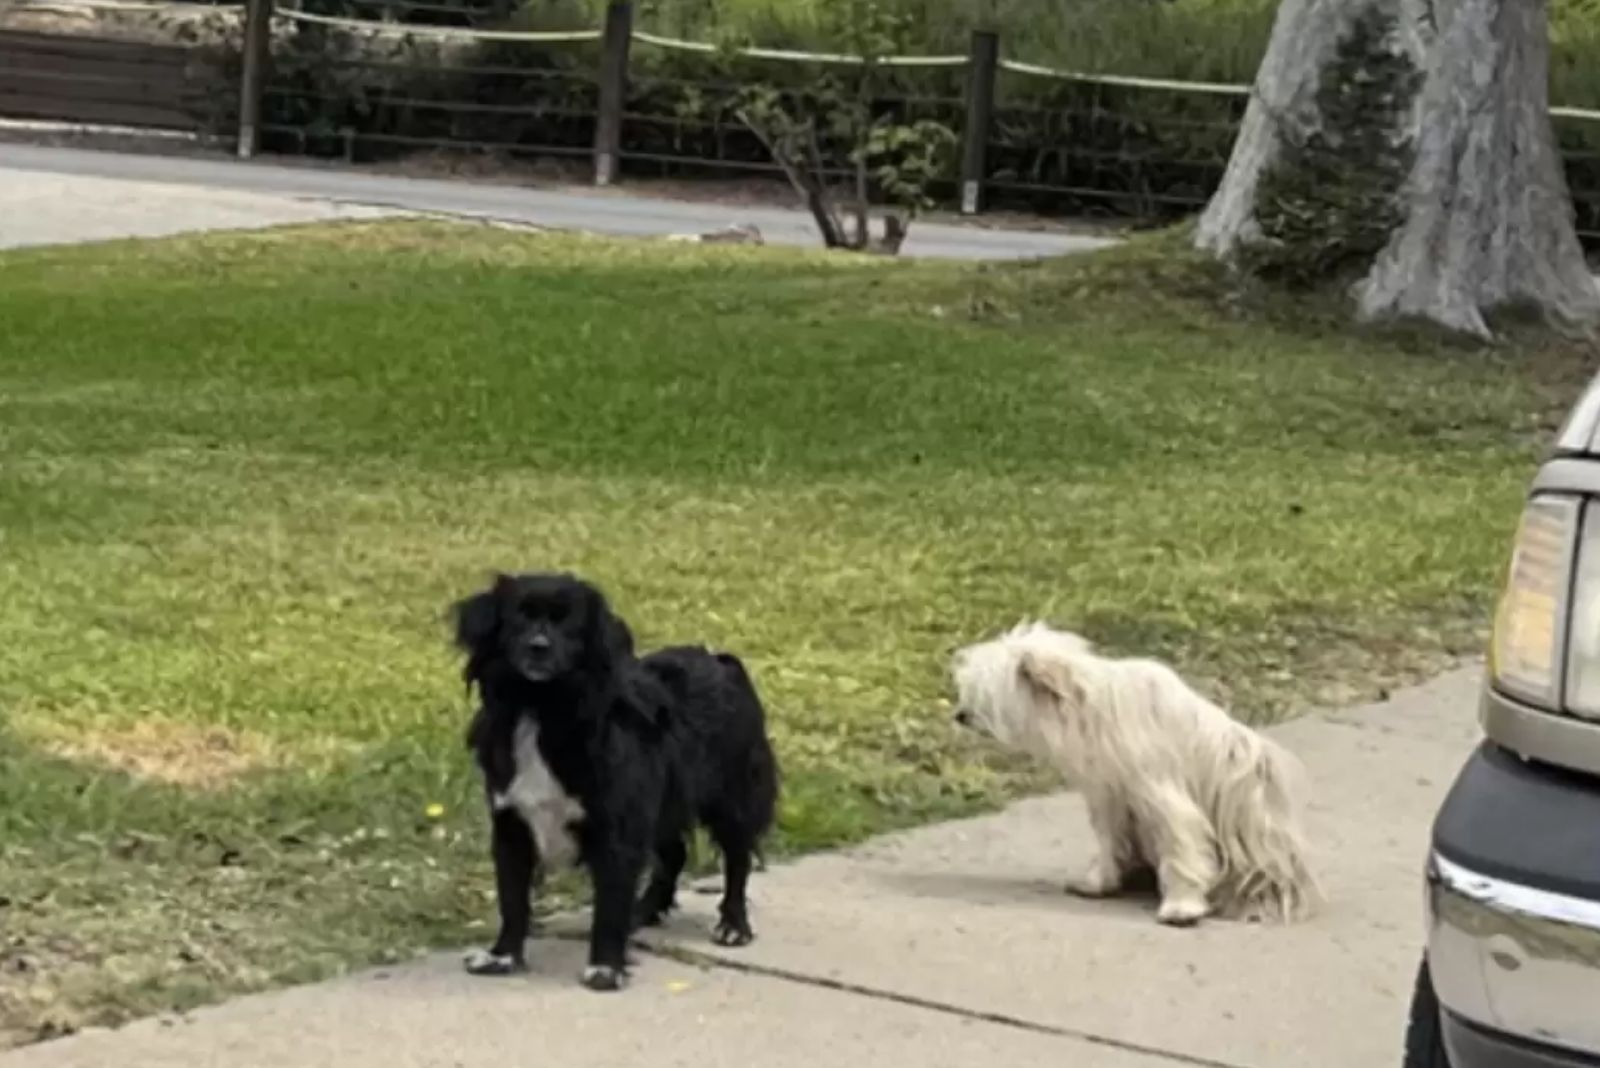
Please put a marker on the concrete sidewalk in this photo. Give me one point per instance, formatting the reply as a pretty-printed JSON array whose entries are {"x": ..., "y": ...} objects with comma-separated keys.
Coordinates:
[
  {"x": 971, "y": 914},
  {"x": 58, "y": 209},
  {"x": 945, "y": 946}
]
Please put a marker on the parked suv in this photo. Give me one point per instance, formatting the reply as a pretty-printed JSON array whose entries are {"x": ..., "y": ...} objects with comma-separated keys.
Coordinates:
[{"x": 1511, "y": 976}]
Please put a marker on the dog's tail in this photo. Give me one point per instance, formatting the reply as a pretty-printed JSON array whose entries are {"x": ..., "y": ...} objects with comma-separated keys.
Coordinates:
[
  {"x": 1265, "y": 873},
  {"x": 763, "y": 778}
]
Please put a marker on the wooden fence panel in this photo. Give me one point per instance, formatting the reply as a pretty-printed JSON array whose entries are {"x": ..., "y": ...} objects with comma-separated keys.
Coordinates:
[{"x": 97, "y": 80}]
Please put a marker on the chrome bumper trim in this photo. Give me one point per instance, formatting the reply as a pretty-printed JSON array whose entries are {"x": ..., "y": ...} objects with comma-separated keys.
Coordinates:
[{"x": 1521, "y": 961}]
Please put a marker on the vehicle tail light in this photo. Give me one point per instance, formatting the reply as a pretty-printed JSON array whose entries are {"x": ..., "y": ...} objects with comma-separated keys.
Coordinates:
[{"x": 1529, "y": 625}]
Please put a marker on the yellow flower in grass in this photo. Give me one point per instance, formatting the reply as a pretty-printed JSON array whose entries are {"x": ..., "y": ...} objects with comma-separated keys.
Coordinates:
[{"x": 434, "y": 811}]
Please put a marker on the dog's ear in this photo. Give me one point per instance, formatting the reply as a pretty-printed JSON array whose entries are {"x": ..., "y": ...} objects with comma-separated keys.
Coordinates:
[
  {"x": 1050, "y": 677},
  {"x": 477, "y": 731},
  {"x": 608, "y": 639},
  {"x": 477, "y": 622},
  {"x": 649, "y": 701},
  {"x": 477, "y": 618},
  {"x": 618, "y": 638},
  {"x": 647, "y": 710}
]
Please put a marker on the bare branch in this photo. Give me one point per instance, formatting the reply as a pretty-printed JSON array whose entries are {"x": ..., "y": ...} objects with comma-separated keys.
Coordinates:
[
  {"x": 805, "y": 186},
  {"x": 819, "y": 172},
  {"x": 780, "y": 158}
]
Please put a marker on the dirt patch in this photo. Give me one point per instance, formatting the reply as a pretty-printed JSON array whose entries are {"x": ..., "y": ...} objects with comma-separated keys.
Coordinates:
[
  {"x": 30, "y": 1010},
  {"x": 179, "y": 754}
]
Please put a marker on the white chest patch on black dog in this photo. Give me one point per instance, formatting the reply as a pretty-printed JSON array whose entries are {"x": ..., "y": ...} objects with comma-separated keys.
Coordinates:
[{"x": 541, "y": 801}]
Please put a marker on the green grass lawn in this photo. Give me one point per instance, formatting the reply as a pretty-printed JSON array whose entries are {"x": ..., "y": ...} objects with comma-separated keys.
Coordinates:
[{"x": 242, "y": 477}]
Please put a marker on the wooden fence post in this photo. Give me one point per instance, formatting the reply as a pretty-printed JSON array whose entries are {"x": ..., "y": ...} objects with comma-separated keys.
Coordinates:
[
  {"x": 982, "y": 64},
  {"x": 613, "y": 91},
  {"x": 256, "y": 50}
]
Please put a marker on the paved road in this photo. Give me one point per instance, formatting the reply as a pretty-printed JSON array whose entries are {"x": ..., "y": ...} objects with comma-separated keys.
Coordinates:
[
  {"x": 947, "y": 946},
  {"x": 610, "y": 212}
]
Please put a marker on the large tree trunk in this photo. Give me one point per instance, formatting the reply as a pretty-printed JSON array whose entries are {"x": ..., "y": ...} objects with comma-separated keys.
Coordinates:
[
  {"x": 1283, "y": 109},
  {"x": 1485, "y": 217}
]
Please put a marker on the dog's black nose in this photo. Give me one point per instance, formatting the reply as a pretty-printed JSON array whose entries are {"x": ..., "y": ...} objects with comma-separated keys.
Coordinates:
[
  {"x": 539, "y": 642},
  {"x": 964, "y": 717}
]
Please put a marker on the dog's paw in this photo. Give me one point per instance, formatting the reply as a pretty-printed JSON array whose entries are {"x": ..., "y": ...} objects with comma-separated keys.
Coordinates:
[
  {"x": 484, "y": 962},
  {"x": 731, "y": 934},
  {"x": 1182, "y": 912},
  {"x": 649, "y": 916},
  {"x": 604, "y": 977},
  {"x": 1094, "y": 883}
]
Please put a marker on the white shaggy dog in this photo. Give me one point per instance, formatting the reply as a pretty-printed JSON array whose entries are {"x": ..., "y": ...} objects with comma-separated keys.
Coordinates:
[{"x": 1173, "y": 784}]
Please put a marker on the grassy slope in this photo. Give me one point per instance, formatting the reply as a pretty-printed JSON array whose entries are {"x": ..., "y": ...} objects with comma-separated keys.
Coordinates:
[{"x": 244, "y": 475}]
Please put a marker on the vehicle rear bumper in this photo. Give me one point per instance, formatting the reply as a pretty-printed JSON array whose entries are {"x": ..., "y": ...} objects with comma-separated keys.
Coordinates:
[
  {"x": 1513, "y": 927},
  {"x": 1471, "y": 1046}
]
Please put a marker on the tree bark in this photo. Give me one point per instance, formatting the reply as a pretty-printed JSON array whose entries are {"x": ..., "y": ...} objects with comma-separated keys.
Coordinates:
[
  {"x": 1487, "y": 217},
  {"x": 1283, "y": 109}
]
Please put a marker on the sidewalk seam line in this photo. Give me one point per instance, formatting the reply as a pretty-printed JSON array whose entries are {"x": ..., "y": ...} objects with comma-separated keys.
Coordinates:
[{"x": 685, "y": 955}]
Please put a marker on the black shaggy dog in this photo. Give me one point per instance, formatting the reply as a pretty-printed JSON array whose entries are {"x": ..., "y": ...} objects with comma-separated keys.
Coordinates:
[{"x": 593, "y": 756}]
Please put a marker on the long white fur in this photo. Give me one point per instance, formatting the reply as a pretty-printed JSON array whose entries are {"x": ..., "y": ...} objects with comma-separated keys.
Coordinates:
[{"x": 1172, "y": 781}]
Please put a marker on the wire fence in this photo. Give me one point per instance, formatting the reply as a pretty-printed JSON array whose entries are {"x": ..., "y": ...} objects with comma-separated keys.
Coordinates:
[
  {"x": 369, "y": 80},
  {"x": 1056, "y": 142},
  {"x": 334, "y": 91},
  {"x": 1108, "y": 146}
]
